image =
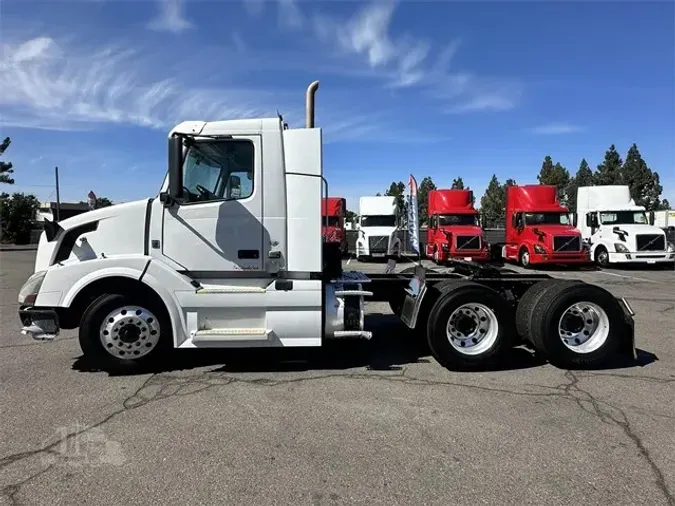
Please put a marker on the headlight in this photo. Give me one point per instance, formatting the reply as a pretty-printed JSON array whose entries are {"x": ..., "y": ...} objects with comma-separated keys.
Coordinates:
[
  {"x": 539, "y": 250},
  {"x": 620, "y": 248},
  {"x": 31, "y": 288}
]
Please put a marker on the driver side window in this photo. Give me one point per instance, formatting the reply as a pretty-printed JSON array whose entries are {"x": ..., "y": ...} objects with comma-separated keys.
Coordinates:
[{"x": 218, "y": 170}]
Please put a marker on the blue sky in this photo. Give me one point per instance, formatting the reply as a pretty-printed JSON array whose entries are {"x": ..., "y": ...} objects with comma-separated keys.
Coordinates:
[{"x": 435, "y": 89}]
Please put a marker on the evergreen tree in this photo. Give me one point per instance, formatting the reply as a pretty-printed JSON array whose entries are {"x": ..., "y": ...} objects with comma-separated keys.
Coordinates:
[
  {"x": 555, "y": 175},
  {"x": 610, "y": 170},
  {"x": 493, "y": 201},
  {"x": 645, "y": 187},
  {"x": 425, "y": 186},
  {"x": 457, "y": 184},
  {"x": 5, "y": 167},
  {"x": 583, "y": 177}
]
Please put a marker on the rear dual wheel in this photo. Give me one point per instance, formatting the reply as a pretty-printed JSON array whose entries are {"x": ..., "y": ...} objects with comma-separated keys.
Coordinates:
[
  {"x": 571, "y": 323},
  {"x": 469, "y": 326}
]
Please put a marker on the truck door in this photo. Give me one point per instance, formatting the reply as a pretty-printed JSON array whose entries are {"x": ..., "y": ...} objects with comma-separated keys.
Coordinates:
[{"x": 217, "y": 228}]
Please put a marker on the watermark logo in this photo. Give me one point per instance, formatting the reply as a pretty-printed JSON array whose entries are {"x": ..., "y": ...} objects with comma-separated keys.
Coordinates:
[{"x": 79, "y": 445}]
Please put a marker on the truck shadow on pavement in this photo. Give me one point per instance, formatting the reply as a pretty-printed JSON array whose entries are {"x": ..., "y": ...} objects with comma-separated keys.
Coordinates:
[{"x": 392, "y": 347}]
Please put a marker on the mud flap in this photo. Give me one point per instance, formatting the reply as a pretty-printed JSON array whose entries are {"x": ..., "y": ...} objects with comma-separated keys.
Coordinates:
[
  {"x": 415, "y": 292},
  {"x": 628, "y": 313}
]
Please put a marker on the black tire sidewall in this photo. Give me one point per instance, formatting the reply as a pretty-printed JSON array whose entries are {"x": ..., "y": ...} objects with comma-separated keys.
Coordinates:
[
  {"x": 89, "y": 331},
  {"x": 438, "y": 341},
  {"x": 546, "y": 325}
]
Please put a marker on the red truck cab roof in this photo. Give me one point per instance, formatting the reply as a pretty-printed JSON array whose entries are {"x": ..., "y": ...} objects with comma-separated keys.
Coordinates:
[
  {"x": 533, "y": 198},
  {"x": 334, "y": 206},
  {"x": 451, "y": 202}
]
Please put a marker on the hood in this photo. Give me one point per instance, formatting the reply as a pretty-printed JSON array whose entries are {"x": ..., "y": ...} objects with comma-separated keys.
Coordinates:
[
  {"x": 462, "y": 229},
  {"x": 103, "y": 214},
  {"x": 551, "y": 230},
  {"x": 633, "y": 230},
  {"x": 378, "y": 230}
]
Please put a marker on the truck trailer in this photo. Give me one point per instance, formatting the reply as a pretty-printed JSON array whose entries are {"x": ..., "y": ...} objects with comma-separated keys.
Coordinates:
[
  {"x": 539, "y": 229},
  {"x": 230, "y": 254},
  {"x": 377, "y": 225},
  {"x": 617, "y": 229},
  {"x": 334, "y": 211},
  {"x": 454, "y": 228}
]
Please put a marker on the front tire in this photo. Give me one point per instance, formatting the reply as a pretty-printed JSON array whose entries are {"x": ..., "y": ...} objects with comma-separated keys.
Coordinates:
[
  {"x": 468, "y": 327},
  {"x": 601, "y": 256},
  {"x": 120, "y": 331},
  {"x": 524, "y": 259}
]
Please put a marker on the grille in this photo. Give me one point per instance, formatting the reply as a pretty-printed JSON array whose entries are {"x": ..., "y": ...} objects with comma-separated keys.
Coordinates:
[
  {"x": 468, "y": 242},
  {"x": 567, "y": 243},
  {"x": 651, "y": 242},
  {"x": 378, "y": 244}
]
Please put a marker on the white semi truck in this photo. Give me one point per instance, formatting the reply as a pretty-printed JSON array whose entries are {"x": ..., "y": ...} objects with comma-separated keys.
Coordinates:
[
  {"x": 377, "y": 225},
  {"x": 618, "y": 230},
  {"x": 230, "y": 254}
]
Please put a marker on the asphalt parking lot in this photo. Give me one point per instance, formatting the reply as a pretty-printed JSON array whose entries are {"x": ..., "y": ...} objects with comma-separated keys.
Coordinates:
[{"x": 374, "y": 422}]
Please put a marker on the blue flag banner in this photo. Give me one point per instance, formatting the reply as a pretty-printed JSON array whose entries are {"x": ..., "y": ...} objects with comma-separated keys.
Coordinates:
[{"x": 413, "y": 223}]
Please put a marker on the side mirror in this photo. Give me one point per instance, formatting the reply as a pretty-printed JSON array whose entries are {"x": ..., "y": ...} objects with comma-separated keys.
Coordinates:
[
  {"x": 176, "y": 167},
  {"x": 651, "y": 217}
]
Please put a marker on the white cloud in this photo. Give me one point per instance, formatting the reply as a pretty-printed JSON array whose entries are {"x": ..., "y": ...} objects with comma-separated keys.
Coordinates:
[
  {"x": 289, "y": 14},
  {"x": 170, "y": 17},
  {"x": 557, "y": 129},
  {"x": 407, "y": 61}
]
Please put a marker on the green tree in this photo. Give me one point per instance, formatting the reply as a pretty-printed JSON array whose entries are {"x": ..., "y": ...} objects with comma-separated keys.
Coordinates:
[
  {"x": 555, "y": 175},
  {"x": 425, "y": 187},
  {"x": 5, "y": 167},
  {"x": 351, "y": 216},
  {"x": 17, "y": 214},
  {"x": 583, "y": 177},
  {"x": 493, "y": 201},
  {"x": 397, "y": 190},
  {"x": 610, "y": 170},
  {"x": 457, "y": 184},
  {"x": 645, "y": 186}
]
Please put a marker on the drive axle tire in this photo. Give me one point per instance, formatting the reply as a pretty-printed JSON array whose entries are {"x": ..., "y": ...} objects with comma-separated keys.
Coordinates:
[
  {"x": 576, "y": 325},
  {"x": 119, "y": 331},
  {"x": 469, "y": 326},
  {"x": 527, "y": 302}
]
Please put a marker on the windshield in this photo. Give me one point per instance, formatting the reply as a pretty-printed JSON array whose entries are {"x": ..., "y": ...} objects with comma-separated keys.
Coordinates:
[
  {"x": 547, "y": 219},
  {"x": 445, "y": 220},
  {"x": 623, "y": 218},
  {"x": 333, "y": 221},
  {"x": 378, "y": 221}
]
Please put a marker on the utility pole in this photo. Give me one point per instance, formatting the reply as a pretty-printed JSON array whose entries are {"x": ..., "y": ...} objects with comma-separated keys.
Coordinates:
[{"x": 58, "y": 197}]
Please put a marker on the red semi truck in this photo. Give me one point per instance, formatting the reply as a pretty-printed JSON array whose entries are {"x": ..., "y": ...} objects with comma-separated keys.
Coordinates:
[
  {"x": 334, "y": 210},
  {"x": 539, "y": 229},
  {"x": 454, "y": 228}
]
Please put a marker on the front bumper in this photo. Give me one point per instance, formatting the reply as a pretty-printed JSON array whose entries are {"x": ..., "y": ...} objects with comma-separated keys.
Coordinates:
[
  {"x": 560, "y": 258},
  {"x": 42, "y": 324},
  {"x": 641, "y": 258},
  {"x": 470, "y": 256}
]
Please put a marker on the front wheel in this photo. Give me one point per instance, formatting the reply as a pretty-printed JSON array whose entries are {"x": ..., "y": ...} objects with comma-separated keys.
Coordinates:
[
  {"x": 524, "y": 259},
  {"x": 469, "y": 326},
  {"x": 602, "y": 256},
  {"x": 119, "y": 331}
]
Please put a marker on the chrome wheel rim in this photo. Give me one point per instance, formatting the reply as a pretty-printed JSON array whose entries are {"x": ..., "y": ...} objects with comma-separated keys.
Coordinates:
[
  {"x": 525, "y": 258},
  {"x": 603, "y": 257},
  {"x": 130, "y": 332},
  {"x": 472, "y": 329},
  {"x": 583, "y": 327}
]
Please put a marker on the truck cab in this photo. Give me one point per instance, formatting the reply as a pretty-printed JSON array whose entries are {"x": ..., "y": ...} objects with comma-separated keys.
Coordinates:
[
  {"x": 617, "y": 229},
  {"x": 454, "y": 227},
  {"x": 377, "y": 226},
  {"x": 539, "y": 229},
  {"x": 334, "y": 210}
]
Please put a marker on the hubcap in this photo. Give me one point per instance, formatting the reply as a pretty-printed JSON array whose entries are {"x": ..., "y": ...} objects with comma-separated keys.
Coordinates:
[
  {"x": 472, "y": 329},
  {"x": 584, "y": 327},
  {"x": 526, "y": 258},
  {"x": 129, "y": 332},
  {"x": 602, "y": 257}
]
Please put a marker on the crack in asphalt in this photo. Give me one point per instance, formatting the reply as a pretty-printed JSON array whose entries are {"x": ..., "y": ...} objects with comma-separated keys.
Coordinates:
[
  {"x": 162, "y": 386},
  {"x": 613, "y": 415}
]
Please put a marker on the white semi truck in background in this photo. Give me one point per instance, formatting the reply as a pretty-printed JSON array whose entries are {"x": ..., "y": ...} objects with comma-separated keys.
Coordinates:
[
  {"x": 618, "y": 230},
  {"x": 230, "y": 253},
  {"x": 377, "y": 225}
]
